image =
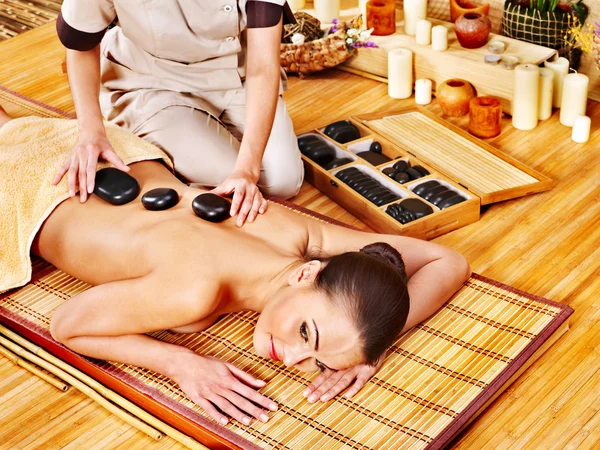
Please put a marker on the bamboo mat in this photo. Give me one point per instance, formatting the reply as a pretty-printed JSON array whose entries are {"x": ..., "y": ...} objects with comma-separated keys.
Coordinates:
[
  {"x": 18, "y": 16},
  {"x": 437, "y": 378}
]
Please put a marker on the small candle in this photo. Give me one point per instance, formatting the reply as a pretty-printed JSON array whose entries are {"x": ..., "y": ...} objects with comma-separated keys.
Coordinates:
[
  {"x": 526, "y": 96},
  {"x": 423, "y": 91},
  {"x": 560, "y": 67},
  {"x": 362, "y": 9},
  {"x": 400, "y": 73},
  {"x": 574, "y": 98},
  {"x": 326, "y": 10},
  {"x": 381, "y": 16},
  {"x": 423, "y": 32},
  {"x": 581, "y": 129},
  {"x": 439, "y": 38},
  {"x": 413, "y": 11},
  {"x": 546, "y": 92},
  {"x": 295, "y": 5}
]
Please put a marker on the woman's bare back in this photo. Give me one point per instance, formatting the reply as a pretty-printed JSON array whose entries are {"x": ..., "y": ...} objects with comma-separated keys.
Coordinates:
[{"x": 99, "y": 243}]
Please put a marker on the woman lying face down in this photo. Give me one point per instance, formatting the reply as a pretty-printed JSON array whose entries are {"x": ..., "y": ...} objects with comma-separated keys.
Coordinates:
[{"x": 329, "y": 298}]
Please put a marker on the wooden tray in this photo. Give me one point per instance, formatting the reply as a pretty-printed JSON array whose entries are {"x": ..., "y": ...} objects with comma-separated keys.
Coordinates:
[
  {"x": 456, "y": 62},
  {"x": 473, "y": 168}
]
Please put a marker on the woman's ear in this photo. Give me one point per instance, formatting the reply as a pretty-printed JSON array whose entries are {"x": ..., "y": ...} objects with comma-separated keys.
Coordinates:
[{"x": 306, "y": 273}]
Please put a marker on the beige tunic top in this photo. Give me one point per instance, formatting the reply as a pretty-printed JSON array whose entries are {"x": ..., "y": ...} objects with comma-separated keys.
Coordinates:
[{"x": 164, "y": 53}]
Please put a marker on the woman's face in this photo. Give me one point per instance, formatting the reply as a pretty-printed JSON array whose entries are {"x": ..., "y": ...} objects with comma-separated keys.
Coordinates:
[{"x": 302, "y": 328}]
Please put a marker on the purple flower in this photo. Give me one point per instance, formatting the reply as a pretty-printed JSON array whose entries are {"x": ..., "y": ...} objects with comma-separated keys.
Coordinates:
[{"x": 335, "y": 21}]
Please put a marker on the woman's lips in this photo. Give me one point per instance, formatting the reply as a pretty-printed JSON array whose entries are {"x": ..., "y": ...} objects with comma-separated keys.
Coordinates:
[{"x": 273, "y": 351}]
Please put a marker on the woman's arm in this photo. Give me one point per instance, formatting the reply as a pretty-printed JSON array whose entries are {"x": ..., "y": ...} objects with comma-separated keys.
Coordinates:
[
  {"x": 110, "y": 321},
  {"x": 435, "y": 272},
  {"x": 263, "y": 74}
]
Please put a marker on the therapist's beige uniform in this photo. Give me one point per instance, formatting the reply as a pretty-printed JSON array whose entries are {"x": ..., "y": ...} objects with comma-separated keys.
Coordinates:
[{"x": 173, "y": 73}]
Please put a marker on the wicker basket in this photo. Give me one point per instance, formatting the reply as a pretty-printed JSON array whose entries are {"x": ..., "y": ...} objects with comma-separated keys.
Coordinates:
[
  {"x": 316, "y": 55},
  {"x": 596, "y": 49}
]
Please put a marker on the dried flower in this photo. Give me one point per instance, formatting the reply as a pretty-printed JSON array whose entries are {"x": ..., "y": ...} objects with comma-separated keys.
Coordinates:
[{"x": 582, "y": 35}]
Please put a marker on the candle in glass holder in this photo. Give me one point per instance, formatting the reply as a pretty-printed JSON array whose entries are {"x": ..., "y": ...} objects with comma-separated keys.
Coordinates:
[
  {"x": 485, "y": 117},
  {"x": 439, "y": 38},
  {"x": 413, "y": 11},
  {"x": 560, "y": 67},
  {"x": 381, "y": 16},
  {"x": 574, "y": 98},
  {"x": 400, "y": 73},
  {"x": 546, "y": 92},
  {"x": 295, "y": 5},
  {"x": 581, "y": 129},
  {"x": 423, "y": 91},
  {"x": 326, "y": 10},
  {"x": 423, "y": 36},
  {"x": 526, "y": 97}
]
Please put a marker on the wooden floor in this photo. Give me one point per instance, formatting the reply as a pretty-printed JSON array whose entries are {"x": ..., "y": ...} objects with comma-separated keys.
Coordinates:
[{"x": 547, "y": 244}]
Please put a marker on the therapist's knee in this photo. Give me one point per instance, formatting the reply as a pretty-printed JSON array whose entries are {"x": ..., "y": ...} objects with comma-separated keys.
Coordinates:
[{"x": 284, "y": 178}]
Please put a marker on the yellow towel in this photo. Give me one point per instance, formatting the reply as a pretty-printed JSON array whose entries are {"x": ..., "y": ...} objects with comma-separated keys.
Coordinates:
[{"x": 32, "y": 150}]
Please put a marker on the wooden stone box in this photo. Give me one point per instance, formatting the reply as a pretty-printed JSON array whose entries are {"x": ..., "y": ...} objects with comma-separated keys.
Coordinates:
[{"x": 472, "y": 168}]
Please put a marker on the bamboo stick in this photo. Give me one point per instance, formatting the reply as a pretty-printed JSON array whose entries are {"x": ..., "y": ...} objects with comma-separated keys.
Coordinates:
[
  {"x": 85, "y": 389},
  {"x": 362, "y": 73},
  {"x": 88, "y": 381},
  {"x": 34, "y": 370}
]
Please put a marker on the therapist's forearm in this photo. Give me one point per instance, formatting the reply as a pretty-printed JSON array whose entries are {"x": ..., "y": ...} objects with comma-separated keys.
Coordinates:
[
  {"x": 262, "y": 92},
  {"x": 83, "y": 69}
]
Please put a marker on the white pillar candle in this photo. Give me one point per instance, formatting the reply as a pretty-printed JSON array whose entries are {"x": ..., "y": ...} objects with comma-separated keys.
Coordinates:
[
  {"x": 423, "y": 36},
  {"x": 326, "y": 10},
  {"x": 413, "y": 11},
  {"x": 362, "y": 9},
  {"x": 560, "y": 67},
  {"x": 574, "y": 98},
  {"x": 526, "y": 95},
  {"x": 439, "y": 38},
  {"x": 581, "y": 129},
  {"x": 546, "y": 92},
  {"x": 400, "y": 73},
  {"x": 295, "y": 5},
  {"x": 423, "y": 91}
]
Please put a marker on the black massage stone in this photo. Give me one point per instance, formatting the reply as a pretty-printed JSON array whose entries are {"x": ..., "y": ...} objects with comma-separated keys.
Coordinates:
[
  {"x": 430, "y": 193},
  {"x": 366, "y": 187},
  {"x": 417, "y": 207},
  {"x": 422, "y": 170},
  {"x": 389, "y": 171},
  {"x": 377, "y": 193},
  {"x": 375, "y": 147},
  {"x": 402, "y": 177},
  {"x": 391, "y": 197},
  {"x": 322, "y": 154},
  {"x": 304, "y": 141},
  {"x": 373, "y": 158},
  {"x": 442, "y": 196},
  {"x": 455, "y": 200},
  {"x": 413, "y": 174},
  {"x": 160, "y": 199},
  {"x": 337, "y": 163},
  {"x": 342, "y": 131},
  {"x": 420, "y": 189},
  {"x": 115, "y": 186},
  {"x": 211, "y": 207},
  {"x": 406, "y": 216},
  {"x": 401, "y": 166}
]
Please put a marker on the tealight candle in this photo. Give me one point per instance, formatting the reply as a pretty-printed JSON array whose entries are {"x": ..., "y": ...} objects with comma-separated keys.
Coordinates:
[
  {"x": 546, "y": 92},
  {"x": 439, "y": 38},
  {"x": 574, "y": 98},
  {"x": 423, "y": 91},
  {"x": 581, "y": 129},
  {"x": 413, "y": 11},
  {"x": 295, "y": 5},
  {"x": 560, "y": 67},
  {"x": 400, "y": 73},
  {"x": 326, "y": 10},
  {"x": 526, "y": 96},
  {"x": 423, "y": 36}
]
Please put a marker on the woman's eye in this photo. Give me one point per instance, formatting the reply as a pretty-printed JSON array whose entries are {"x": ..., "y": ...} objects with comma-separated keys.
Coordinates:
[{"x": 304, "y": 332}]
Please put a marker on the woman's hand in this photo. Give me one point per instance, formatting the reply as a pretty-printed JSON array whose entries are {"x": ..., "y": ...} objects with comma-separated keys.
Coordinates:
[
  {"x": 210, "y": 382},
  {"x": 81, "y": 165},
  {"x": 247, "y": 200},
  {"x": 330, "y": 383}
]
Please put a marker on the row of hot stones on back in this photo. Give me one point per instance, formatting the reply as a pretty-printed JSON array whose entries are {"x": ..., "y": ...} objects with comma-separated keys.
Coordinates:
[{"x": 381, "y": 185}]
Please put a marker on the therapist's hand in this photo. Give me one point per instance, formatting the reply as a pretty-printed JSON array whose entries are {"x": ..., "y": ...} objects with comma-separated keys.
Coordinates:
[
  {"x": 81, "y": 165},
  {"x": 247, "y": 200}
]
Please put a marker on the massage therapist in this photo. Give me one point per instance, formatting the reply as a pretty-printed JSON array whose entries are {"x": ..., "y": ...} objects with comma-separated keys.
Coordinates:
[{"x": 200, "y": 79}]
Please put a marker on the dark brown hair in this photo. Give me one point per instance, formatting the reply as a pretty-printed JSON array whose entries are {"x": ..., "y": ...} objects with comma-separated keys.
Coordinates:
[{"x": 372, "y": 286}]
